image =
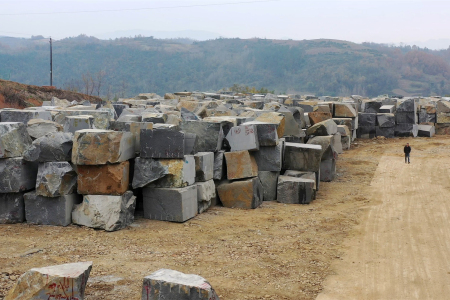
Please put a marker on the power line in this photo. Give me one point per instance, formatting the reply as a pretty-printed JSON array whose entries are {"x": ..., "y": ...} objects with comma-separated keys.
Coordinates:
[{"x": 137, "y": 9}]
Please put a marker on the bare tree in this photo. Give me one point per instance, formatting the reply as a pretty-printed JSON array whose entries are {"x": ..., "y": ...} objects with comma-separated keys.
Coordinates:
[{"x": 100, "y": 76}]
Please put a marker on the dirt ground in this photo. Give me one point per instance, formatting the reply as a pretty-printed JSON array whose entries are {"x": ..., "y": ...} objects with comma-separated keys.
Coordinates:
[{"x": 274, "y": 252}]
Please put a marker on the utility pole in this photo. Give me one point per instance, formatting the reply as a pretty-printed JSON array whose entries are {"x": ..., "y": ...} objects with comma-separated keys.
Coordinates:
[{"x": 51, "y": 63}]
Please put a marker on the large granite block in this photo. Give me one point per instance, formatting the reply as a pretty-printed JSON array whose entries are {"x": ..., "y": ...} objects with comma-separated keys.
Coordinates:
[
  {"x": 385, "y": 120},
  {"x": 406, "y": 117},
  {"x": 247, "y": 194},
  {"x": 443, "y": 118},
  {"x": 24, "y": 115},
  {"x": 240, "y": 164},
  {"x": 210, "y": 134},
  {"x": 14, "y": 139},
  {"x": 51, "y": 147},
  {"x": 387, "y": 132},
  {"x": 55, "y": 211},
  {"x": 80, "y": 122},
  {"x": 147, "y": 170},
  {"x": 293, "y": 190},
  {"x": 307, "y": 175},
  {"x": 101, "y": 118},
  {"x": 243, "y": 137},
  {"x": 274, "y": 118},
  {"x": 371, "y": 106},
  {"x": 17, "y": 175},
  {"x": 327, "y": 127},
  {"x": 406, "y": 130},
  {"x": 206, "y": 195},
  {"x": 180, "y": 173},
  {"x": 267, "y": 133},
  {"x": 269, "y": 182},
  {"x": 204, "y": 166},
  {"x": 269, "y": 158},
  {"x": 170, "y": 204},
  {"x": 110, "y": 179},
  {"x": 190, "y": 143},
  {"x": 443, "y": 106},
  {"x": 407, "y": 105},
  {"x": 12, "y": 208},
  {"x": 162, "y": 143},
  {"x": 318, "y": 116},
  {"x": 330, "y": 145},
  {"x": 387, "y": 109},
  {"x": 366, "y": 132},
  {"x": 426, "y": 130},
  {"x": 37, "y": 127},
  {"x": 55, "y": 179},
  {"x": 302, "y": 157},
  {"x": 351, "y": 123},
  {"x": 367, "y": 119},
  {"x": 344, "y": 110},
  {"x": 443, "y": 129},
  {"x": 135, "y": 129}
]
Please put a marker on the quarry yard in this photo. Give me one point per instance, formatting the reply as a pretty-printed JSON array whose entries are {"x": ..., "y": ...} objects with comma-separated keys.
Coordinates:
[{"x": 380, "y": 228}]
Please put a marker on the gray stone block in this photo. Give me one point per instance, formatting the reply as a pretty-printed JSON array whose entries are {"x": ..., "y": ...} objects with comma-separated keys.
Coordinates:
[
  {"x": 55, "y": 179},
  {"x": 371, "y": 106},
  {"x": 389, "y": 109},
  {"x": 307, "y": 175},
  {"x": 327, "y": 127},
  {"x": 267, "y": 133},
  {"x": 170, "y": 204},
  {"x": 406, "y": 130},
  {"x": 366, "y": 132},
  {"x": 12, "y": 208},
  {"x": 55, "y": 146},
  {"x": 55, "y": 211},
  {"x": 162, "y": 143},
  {"x": 135, "y": 129},
  {"x": 147, "y": 170},
  {"x": 181, "y": 173},
  {"x": 327, "y": 170},
  {"x": 269, "y": 182},
  {"x": 119, "y": 107},
  {"x": 387, "y": 132},
  {"x": 406, "y": 117},
  {"x": 302, "y": 157},
  {"x": 269, "y": 158},
  {"x": 190, "y": 143},
  {"x": 24, "y": 115},
  {"x": 219, "y": 161},
  {"x": 204, "y": 166},
  {"x": 101, "y": 118},
  {"x": 206, "y": 195},
  {"x": 292, "y": 190},
  {"x": 173, "y": 285},
  {"x": 329, "y": 146},
  {"x": 14, "y": 139},
  {"x": 74, "y": 123},
  {"x": 37, "y": 128},
  {"x": 367, "y": 119},
  {"x": 154, "y": 118},
  {"x": 243, "y": 137},
  {"x": 105, "y": 212},
  {"x": 408, "y": 105},
  {"x": 385, "y": 120},
  {"x": 343, "y": 130},
  {"x": 210, "y": 134},
  {"x": 351, "y": 123},
  {"x": 17, "y": 175},
  {"x": 426, "y": 130}
]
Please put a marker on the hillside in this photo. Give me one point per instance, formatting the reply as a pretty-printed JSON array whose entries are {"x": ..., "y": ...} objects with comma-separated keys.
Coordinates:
[
  {"x": 127, "y": 66},
  {"x": 17, "y": 95}
]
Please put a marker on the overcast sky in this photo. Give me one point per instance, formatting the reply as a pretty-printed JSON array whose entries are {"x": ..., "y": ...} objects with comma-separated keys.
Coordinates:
[{"x": 357, "y": 21}]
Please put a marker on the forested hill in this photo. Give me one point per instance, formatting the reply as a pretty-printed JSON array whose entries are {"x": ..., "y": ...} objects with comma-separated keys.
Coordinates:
[{"x": 128, "y": 66}]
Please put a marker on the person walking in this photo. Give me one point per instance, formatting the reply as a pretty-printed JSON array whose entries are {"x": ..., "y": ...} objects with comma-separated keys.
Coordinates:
[{"x": 407, "y": 151}]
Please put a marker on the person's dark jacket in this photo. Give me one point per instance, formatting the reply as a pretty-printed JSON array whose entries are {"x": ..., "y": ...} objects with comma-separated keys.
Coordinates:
[{"x": 407, "y": 149}]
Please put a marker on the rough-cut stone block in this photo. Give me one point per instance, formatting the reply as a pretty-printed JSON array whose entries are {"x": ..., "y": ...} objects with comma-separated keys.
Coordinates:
[
  {"x": 174, "y": 285},
  {"x": 426, "y": 130},
  {"x": 247, "y": 194},
  {"x": 17, "y": 175},
  {"x": 267, "y": 133},
  {"x": 443, "y": 129},
  {"x": 443, "y": 118},
  {"x": 329, "y": 149},
  {"x": 14, "y": 139},
  {"x": 366, "y": 132},
  {"x": 318, "y": 116},
  {"x": 24, "y": 115},
  {"x": 367, "y": 119},
  {"x": 190, "y": 143},
  {"x": 37, "y": 127},
  {"x": 105, "y": 212},
  {"x": 293, "y": 190},
  {"x": 343, "y": 130},
  {"x": 306, "y": 175},
  {"x": 408, "y": 105},
  {"x": 443, "y": 106},
  {"x": 302, "y": 157},
  {"x": 387, "y": 109},
  {"x": 12, "y": 208},
  {"x": 206, "y": 195},
  {"x": 387, "y": 132},
  {"x": 274, "y": 118},
  {"x": 269, "y": 182},
  {"x": 55, "y": 146},
  {"x": 352, "y": 124},
  {"x": 210, "y": 134},
  {"x": 371, "y": 106},
  {"x": 101, "y": 118},
  {"x": 344, "y": 110},
  {"x": 243, "y": 137},
  {"x": 406, "y": 117},
  {"x": 55, "y": 211},
  {"x": 327, "y": 170},
  {"x": 219, "y": 165},
  {"x": 170, "y": 204},
  {"x": 204, "y": 166},
  {"x": 147, "y": 170},
  {"x": 162, "y": 143},
  {"x": 240, "y": 164},
  {"x": 180, "y": 173},
  {"x": 67, "y": 281},
  {"x": 135, "y": 129},
  {"x": 385, "y": 120},
  {"x": 406, "y": 130},
  {"x": 104, "y": 179},
  {"x": 327, "y": 127},
  {"x": 55, "y": 179},
  {"x": 98, "y": 147},
  {"x": 269, "y": 158}
]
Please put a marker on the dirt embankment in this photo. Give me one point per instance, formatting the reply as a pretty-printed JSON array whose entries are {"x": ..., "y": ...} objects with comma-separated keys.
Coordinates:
[{"x": 17, "y": 95}]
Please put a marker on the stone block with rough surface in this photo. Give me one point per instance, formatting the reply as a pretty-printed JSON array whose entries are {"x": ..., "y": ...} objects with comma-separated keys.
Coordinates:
[
  {"x": 55, "y": 179},
  {"x": 101, "y": 118},
  {"x": 318, "y": 116},
  {"x": 351, "y": 123},
  {"x": 55, "y": 146},
  {"x": 55, "y": 211},
  {"x": 162, "y": 143},
  {"x": 240, "y": 164},
  {"x": 135, "y": 129},
  {"x": 180, "y": 173},
  {"x": 12, "y": 208},
  {"x": 274, "y": 118},
  {"x": 367, "y": 119},
  {"x": 387, "y": 132},
  {"x": 443, "y": 129},
  {"x": 406, "y": 130},
  {"x": 219, "y": 165},
  {"x": 302, "y": 157},
  {"x": 66, "y": 281},
  {"x": 247, "y": 194},
  {"x": 407, "y": 105},
  {"x": 269, "y": 158},
  {"x": 204, "y": 166},
  {"x": 327, "y": 127},
  {"x": 206, "y": 195},
  {"x": 147, "y": 170},
  {"x": 210, "y": 134},
  {"x": 110, "y": 179},
  {"x": 24, "y": 115},
  {"x": 14, "y": 139},
  {"x": 267, "y": 133},
  {"x": 105, "y": 212},
  {"x": 385, "y": 120},
  {"x": 327, "y": 170},
  {"x": 170, "y": 204},
  {"x": 37, "y": 128},
  {"x": 75, "y": 123},
  {"x": 307, "y": 175},
  {"x": 17, "y": 175},
  {"x": 269, "y": 181},
  {"x": 344, "y": 110},
  {"x": 406, "y": 117},
  {"x": 293, "y": 190},
  {"x": 174, "y": 285}
]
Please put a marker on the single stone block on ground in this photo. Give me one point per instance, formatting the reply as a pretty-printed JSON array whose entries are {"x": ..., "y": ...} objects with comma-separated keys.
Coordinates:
[
  {"x": 293, "y": 190},
  {"x": 170, "y": 204},
  {"x": 302, "y": 157},
  {"x": 240, "y": 164},
  {"x": 246, "y": 193},
  {"x": 17, "y": 175},
  {"x": 206, "y": 195},
  {"x": 12, "y": 208},
  {"x": 105, "y": 212},
  {"x": 55, "y": 179},
  {"x": 14, "y": 139},
  {"x": 204, "y": 166},
  {"x": 110, "y": 179}
]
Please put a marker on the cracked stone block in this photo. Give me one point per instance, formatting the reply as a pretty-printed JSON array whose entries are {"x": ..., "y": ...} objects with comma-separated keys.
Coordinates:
[
  {"x": 204, "y": 166},
  {"x": 206, "y": 195},
  {"x": 12, "y": 208},
  {"x": 162, "y": 143},
  {"x": 180, "y": 173},
  {"x": 110, "y": 213},
  {"x": 66, "y": 281},
  {"x": 17, "y": 175},
  {"x": 170, "y": 204},
  {"x": 174, "y": 285},
  {"x": 302, "y": 157},
  {"x": 51, "y": 147},
  {"x": 293, "y": 190},
  {"x": 247, "y": 193},
  {"x": 108, "y": 179},
  {"x": 14, "y": 139},
  {"x": 55, "y": 211},
  {"x": 37, "y": 127},
  {"x": 147, "y": 170},
  {"x": 240, "y": 164},
  {"x": 55, "y": 179},
  {"x": 269, "y": 181}
]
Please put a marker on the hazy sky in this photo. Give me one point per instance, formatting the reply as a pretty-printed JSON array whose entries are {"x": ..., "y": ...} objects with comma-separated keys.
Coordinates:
[{"x": 357, "y": 21}]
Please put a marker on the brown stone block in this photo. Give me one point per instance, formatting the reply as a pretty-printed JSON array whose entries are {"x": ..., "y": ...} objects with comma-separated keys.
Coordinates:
[
  {"x": 318, "y": 116},
  {"x": 246, "y": 194},
  {"x": 274, "y": 118},
  {"x": 104, "y": 179},
  {"x": 240, "y": 164}
]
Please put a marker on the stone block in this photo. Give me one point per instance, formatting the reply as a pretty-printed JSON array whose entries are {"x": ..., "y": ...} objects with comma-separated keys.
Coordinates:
[
  {"x": 269, "y": 182},
  {"x": 371, "y": 106},
  {"x": 14, "y": 139},
  {"x": 327, "y": 127},
  {"x": 162, "y": 143},
  {"x": 180, "y": 173},
  {"x": 190, "y": 143},
  {"x": 352, "y": 124},
  {"x": 204, "y": 166},
  {"x": 119, "y": 107},
  {"x": 240, "y": 164},
  {"x": 318, "y": 116},
  {"x": 37, "y": 127},
  {"x": 307, "y": 175},
  {"x": 135, "y": 129},
  {"x": 55, "y": 211},
  {"x": 267, "y": 133},
  {"x": 407, "y": 105},
  {"x": 55, "y": 179},
  {"x": 24, "y": 115},
  {"x": 387, "y": 109},
  {"x": 344, "y": 110},
  {"x": 443, "y": 129},
  {"x": 269, "y": 158},
  {"x": 12, "y": 208},
  {"x": 406, "y": 117},
  {"x": 80, "y": 122},
  {"x": 367, "y": 119},
  {"x": 17, "y": 175},
  {"x": 105, "y": 212},
  {"x": 387, "y": 132},
  {"x": 292, "y": 127},
  {"x": 346, "y": 142},
  {"x": 336, "y": 143},
  {"x": 154, "y": 118},
  {"x": 243, "y": 137},
  {"x": 99, "y": 147},
  {"x": 206, "y": 195},
  {"x": 147, "y": 170},
  {"x": 51, "y": 147},
  {"x": 328, "y": 145},
  {"x": 274, "y": 118},
  {"x": 210, "y": 134},
  {"x": 406, "y": 130},
  {"x": 110, "y": 179},
  {"x": 443, "y": 106},
  {"x": 293, "y": 190},
  {"x": 385, "y": 120},
  {"x": 443, "y": 118},
  {"x": 101, "y": 118},
  {"x": 219, "y": 165},
  {"x": 170, "y": 204},
  {"x": 302, "y": 157},
  {"x": 426, "y": 130},
  {"x": 174, "y": 285},
  {"x": 327, "y": 170},
  {"x": 247, "y": 194},
  {"x": 66, "y": 281},
  {"x": 366, "y": 132},
  {"x": 343, "y": 130}
]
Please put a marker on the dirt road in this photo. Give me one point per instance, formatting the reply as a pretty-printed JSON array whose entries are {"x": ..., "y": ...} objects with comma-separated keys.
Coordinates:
[{"x": 402, "y": 249}]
